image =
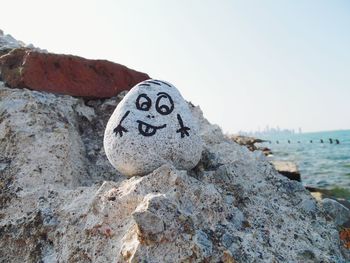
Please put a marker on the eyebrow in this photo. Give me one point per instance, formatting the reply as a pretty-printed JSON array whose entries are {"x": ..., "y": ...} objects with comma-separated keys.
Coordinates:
[
  {"x": 144, "y": 84},
  {"x": 162, "y": 82},
  {"x": 153, "y": 82}
]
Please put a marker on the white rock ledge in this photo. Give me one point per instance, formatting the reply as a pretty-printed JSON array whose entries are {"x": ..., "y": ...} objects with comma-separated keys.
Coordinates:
[{"x": 61, "y": 200}]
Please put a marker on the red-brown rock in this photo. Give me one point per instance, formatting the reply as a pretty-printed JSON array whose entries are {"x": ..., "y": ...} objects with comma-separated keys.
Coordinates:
[{"x": 66, "y": 74}]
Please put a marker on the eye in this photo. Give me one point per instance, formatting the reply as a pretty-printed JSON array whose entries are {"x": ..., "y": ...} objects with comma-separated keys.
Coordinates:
[
  {"x": 164, "y": 103},
  {"x": 143, "y": 102}
]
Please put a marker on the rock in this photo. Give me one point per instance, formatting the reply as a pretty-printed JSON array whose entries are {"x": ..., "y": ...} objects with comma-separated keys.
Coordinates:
[
  {"x": 61, "y": 200},
  {"x": 152, "y": 126},
  {"x": 68, "y": 133},
  {"x": 266, "y": 151},
  {"x": 340, "y": 213},
  {"x": 246, "y": 141},
  {"x": 66, "y": 74},
  {"x": 288, "y": 169},
  {"x": 250, "y": 142},
  {"x": 7, "y": 43},
  {"x": 344, "y": 235}
]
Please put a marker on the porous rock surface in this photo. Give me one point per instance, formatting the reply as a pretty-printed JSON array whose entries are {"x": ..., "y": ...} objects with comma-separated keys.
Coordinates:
[
  {"x": 66, "y": 74},
  {"x": 152, "y": 126},
  {"x": 61, "y": 200},
  {"x": 8, "y": 43},
  {"x": 339, "y": 212}
]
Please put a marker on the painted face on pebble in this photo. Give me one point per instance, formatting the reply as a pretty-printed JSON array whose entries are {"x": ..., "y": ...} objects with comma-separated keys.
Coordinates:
[
  {"x": 154, "y": 120},
  {"x": 163, "y": 105}
]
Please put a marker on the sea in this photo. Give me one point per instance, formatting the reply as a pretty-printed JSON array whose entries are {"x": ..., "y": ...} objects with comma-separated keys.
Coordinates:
[{"x": 322, "y": 162}]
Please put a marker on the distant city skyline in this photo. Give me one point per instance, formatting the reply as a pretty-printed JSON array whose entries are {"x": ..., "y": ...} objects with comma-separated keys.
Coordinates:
[
  {"x": 279, "y": 131},
  {"x": 270, "y": 130},
  {"x": 246, "y": 63}
]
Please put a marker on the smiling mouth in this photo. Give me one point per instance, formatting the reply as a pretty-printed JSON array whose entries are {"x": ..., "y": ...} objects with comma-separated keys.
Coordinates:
[{"x": 147, "y": 129}]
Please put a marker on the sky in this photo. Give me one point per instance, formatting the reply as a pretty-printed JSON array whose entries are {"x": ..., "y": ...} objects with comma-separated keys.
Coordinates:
[{"x": 247, "y": 64}]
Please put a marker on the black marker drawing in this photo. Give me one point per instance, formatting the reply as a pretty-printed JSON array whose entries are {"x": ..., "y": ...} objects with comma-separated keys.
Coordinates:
[
  {"x": 153, "y": 82},
  {"x": 164, "y": 103},
  {"x": 164, "y": 106},
  {"x": 146, "y": 129},
  {"x": 143, "y": 102},
  {"x": 120, "y": 129},
  {"x": 183, "y": 129},
  {"x": 162, "y": 82},
  {"x": 144, "y": 84}
]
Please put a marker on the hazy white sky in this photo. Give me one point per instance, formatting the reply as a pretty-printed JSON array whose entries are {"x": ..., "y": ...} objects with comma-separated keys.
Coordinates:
[{"x": 247, "y": 64}]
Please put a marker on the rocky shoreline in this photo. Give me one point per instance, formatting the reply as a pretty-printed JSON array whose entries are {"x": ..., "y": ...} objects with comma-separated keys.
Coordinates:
[
  {"x": 288, "y": 169},
  {"x": 291, "y": 171},
  {"x": 62, "y": 201}
]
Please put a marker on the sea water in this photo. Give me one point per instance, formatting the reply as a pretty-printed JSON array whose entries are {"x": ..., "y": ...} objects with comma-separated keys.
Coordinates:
[{"x": 322, "y": 165}]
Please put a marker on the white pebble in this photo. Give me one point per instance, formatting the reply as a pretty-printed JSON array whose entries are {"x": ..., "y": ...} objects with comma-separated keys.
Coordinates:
[{"x": 152, "y": 126}]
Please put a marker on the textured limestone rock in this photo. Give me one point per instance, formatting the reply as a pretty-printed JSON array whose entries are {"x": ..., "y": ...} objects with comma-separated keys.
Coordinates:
[
  {"x": 61, "y": 200},
  {"x": 340, "y": 213},
  {"x": 66, "y": 74},
  {"x": 7, "y": 43},
  {"x": 152, "y": 126}
]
